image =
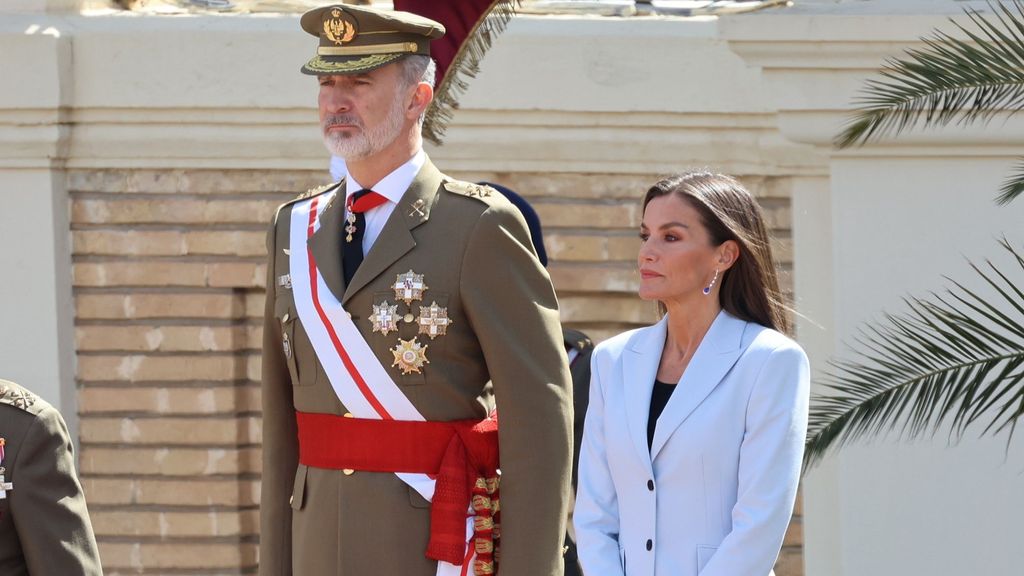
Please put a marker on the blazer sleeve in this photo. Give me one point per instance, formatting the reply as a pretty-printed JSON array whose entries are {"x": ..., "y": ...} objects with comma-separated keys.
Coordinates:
[
  {"x": 49, "y": 511},
  {"x": 769, "y": 466},
  {"x": 280, "y": 439},
  {"x": 511, "y": 304},
  {"x": 596, "y": 516}
]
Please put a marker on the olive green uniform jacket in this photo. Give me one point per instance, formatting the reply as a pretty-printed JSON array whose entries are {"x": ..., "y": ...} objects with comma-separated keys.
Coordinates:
[
  {"x": 580, "y": 370},
  {"x": 474, "y": 251},
  {"x": 44, "y": 524}
]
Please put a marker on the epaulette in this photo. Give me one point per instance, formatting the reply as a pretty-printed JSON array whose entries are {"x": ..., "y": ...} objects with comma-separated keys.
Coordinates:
[
  {"x": 16, "y": 396},
  {"x": 478, "y": 191},
  {"x": 576, "y": 339},
  {"x": 310, "y": 193},
  {"x": 314, "y": 191}
]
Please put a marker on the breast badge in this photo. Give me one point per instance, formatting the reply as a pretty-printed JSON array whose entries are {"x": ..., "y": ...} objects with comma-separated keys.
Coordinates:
[
  {"x": 385, "y": 318},
  {"x": 434, "y": 320},
  {"x": 409, "y": 286},
  {"x": 410, "y": 356}
]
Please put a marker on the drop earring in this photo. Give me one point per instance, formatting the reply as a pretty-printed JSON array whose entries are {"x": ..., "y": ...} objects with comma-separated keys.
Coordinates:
[{"x": 707, "y": 289}]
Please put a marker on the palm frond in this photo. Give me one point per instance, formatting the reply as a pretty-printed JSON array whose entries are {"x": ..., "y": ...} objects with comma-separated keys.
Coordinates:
[
  {"x": 949, "y": 80},
  {"x": 1013, "y": 186},
  {"x": 954, "y": 358}
]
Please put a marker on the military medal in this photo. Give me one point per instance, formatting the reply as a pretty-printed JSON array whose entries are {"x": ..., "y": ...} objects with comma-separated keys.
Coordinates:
[
  {"x": 410, "y": 356},
  {"x": 409, "y": 287},
  {"x": 384, "y": 318},
  {"x": 350, "y": 226},
  {"x": 434, "y": 320},
  {"x": 4, "y": 486},
  {"x": 286, "y": 344}
]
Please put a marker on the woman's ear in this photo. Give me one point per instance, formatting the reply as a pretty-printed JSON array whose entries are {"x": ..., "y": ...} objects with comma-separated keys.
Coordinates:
[{"x": 728, "y": 254}]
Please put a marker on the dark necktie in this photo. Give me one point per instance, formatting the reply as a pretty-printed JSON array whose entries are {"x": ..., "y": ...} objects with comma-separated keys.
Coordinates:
[{"x": 355, "y": 228}]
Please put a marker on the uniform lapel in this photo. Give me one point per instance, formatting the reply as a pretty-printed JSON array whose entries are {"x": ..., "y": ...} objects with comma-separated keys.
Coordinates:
[
  {"x": 715, "y": 356},
  {"x": 396, "y": 238},
  {"x": 326, "y": 243},
  {"x": 639, "y": 369}
]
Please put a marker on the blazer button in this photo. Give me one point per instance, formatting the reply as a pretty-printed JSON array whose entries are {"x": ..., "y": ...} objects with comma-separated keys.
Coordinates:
[
  {"x": 650, "y": 543},
  {"x": 291, "y": 500},
  {"x": 650, "y": 485}
]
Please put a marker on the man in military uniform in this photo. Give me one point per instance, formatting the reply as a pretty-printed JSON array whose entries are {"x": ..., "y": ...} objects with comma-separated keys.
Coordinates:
[
  {"x": 403, "y": 308},
  {"x": 44, "y": 524}
]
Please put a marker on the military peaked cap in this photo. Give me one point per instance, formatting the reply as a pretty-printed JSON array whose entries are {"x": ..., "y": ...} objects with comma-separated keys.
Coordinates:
[{"x": 356, "y": 39}]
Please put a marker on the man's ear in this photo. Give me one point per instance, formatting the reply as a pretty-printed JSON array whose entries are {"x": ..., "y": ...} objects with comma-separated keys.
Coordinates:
[{"x": 422, "y": 96}]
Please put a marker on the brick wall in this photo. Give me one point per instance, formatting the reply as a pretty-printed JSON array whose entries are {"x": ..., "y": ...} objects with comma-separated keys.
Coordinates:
[{"x": 168, "y": 288}]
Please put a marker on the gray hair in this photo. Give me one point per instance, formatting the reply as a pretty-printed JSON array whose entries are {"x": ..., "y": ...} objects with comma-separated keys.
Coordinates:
[{"x": 417, "y": 68}]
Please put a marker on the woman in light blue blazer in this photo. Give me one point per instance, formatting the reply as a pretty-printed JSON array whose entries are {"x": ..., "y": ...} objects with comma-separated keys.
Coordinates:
[{"x": 694, "y": 434}]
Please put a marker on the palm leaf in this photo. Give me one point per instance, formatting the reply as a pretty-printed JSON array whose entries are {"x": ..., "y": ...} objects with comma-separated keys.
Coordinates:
[
  {"x": 1013, "y": 186},
  {"x": 949, "y": 80},
  {"x": 955, "y": 358}
]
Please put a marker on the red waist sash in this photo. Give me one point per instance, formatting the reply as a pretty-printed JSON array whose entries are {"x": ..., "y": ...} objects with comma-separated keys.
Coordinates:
[{"x": 462, "y": 455}]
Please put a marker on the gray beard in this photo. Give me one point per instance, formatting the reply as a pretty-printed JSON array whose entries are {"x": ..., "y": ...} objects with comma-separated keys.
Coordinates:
[{"x": 366, "y": 142}]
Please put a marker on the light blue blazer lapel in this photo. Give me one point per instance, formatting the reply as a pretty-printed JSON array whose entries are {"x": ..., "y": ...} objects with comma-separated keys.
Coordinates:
[
  {"x": 639, "y": 369},
  {"x": 715, "y": 356}
]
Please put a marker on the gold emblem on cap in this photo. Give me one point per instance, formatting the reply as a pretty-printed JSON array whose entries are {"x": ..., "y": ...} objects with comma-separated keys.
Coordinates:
[
  {"x": 384, "y": 317},
  {"x": 410, "y": 356},
  {"x": 339, "y": 28},
  {"x": 409, "y": 287},
  {"x": 434, "y": 320}
]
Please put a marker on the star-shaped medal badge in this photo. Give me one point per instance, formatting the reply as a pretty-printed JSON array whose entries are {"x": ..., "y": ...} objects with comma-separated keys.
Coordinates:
[
  {"x": 434, "y": 320},
  {"x": 410, "y": 356},
  {"x": 409, "y": 286},
  {"x": 384, "y": 318}
]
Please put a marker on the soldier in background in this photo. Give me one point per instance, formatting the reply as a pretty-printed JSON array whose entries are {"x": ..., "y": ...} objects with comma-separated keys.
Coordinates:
[{"x": 44, "y": 524}]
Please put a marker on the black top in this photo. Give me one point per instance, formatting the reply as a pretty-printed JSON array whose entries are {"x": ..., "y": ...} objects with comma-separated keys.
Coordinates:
[{"x": 662, "y": 392}]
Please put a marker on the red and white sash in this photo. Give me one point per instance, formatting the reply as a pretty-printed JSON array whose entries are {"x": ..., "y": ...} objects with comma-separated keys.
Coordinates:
[{"x": 360, "y": 381}]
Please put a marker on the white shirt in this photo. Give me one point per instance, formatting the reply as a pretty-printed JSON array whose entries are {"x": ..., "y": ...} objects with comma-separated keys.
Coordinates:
[{"x": 392, "y": 187}]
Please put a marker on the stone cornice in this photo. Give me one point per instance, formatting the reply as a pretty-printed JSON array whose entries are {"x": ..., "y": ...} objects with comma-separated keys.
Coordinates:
[
  {"x": 596, "y": 142},
  {"x": 814, "y": 62}
]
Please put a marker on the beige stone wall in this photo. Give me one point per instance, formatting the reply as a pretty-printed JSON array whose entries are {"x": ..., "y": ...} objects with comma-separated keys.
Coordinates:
[{"x": 168, "y": 289}]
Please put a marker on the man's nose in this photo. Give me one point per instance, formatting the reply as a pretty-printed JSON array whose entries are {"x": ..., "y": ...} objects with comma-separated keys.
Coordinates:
[{"x": 335, "y": 100}]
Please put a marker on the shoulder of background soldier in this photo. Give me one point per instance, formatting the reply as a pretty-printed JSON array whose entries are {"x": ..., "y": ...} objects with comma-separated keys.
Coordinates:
[
  {"x": 21, "y": 399},
  {"x": 576, "y": 339}
]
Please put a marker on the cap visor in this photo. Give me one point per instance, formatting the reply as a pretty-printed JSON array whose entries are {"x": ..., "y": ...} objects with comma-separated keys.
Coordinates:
[{"x": 331, "y": 65}]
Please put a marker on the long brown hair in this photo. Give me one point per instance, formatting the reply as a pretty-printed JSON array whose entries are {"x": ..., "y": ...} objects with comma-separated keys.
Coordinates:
[{"x": 750, "y": 288}]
